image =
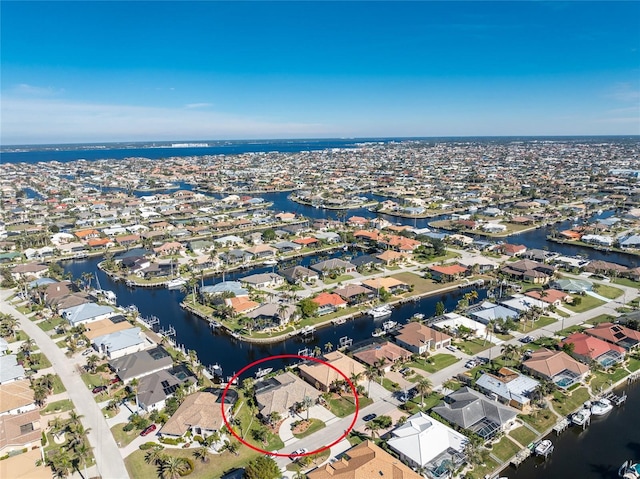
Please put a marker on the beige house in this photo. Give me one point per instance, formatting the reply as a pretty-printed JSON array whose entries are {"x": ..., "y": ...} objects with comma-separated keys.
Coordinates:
[
  {"x": 556, "y": 366},
  {"x": 200, "y": 413},
  {"x": 281, "y": 393},
  {"x": 322, "y": 377},
  {"x": 419, "y": 339}
]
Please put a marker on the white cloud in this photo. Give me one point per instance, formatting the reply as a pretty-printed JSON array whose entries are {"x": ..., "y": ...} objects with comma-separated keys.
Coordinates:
[
  {"x": 198, "y": 105},
  {"x": 24, "y": 89},
  {"x": 625, "y": 92},
  {"x": 49, "y": 120}
]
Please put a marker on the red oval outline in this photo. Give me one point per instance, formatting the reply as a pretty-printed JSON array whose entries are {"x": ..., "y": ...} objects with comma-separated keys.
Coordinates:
[{"x": 289, "y": 356}]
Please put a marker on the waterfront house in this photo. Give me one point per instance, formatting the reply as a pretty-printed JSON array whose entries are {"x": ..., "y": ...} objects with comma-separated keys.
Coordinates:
[
  {"x": 447, "y": 273},
  {"x": 355, "y": 293},
  {"x": 555, "y": 366},
  {"x": 364, "y": 461},
  {"x": 262, "y": 280},
  {"x": 487, "y": 311},
  {"x": 422, "y": 442},
  {"x": 287, "y": 246},
  {"x": 86, "y": 313},
  {"x": 587, "y": 348},
  {"x": 472, "y": 411},
  {"x": 481, "y": 264},
  {"x": 261, "y": 251},
  {"x": 549, "y": 296},
  {"x": 418, "y": 338},
  {"x": 299, "y": 273},
  {"x": 308, "y": 242},
  {"x": 509, "y": 387},
  {"x": 281, "y": 393},
  {"x": 323, "y": 377},
  {"x": 529, "y": 271},
  {"x": 137, "y": 365},
  {"x": 571, "y": 285},
  {"x": 392, "y": 285},
  {"x": 29, "y": 270},
  {"x": 617, "y": 334},
  {"x": 200, "y": 413},
  {"x": 120, "y": 343},
  {"x": 328, "y": 303},
  {"x": 229, "y": 287},
  {"x": 106, "y": 326},
  {"x": 451, "y": 322},
  {"x": 512, "y": 249},
  {"x": 387, "y": 352},
  {"x": 273, "y": 314}
]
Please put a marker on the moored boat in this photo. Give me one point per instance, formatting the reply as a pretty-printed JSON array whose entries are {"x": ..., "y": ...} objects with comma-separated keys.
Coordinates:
[
  {"x": 380, "y": 311},
  {"x": 544, "y": 448},
  {"x": 629, "y": 470},
  {"x": 581, "y": 417},
  {"x": 601, "y": 406},
  {"x": 263, "y": 372},
  {"x": 176, "y": 283}
]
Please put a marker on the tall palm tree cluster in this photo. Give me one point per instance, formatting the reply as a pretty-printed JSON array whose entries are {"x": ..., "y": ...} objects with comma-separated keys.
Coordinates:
[
  {"x": 8, "y": 325},
  {"x": 42, "y": 387},
  {"x": 75, "y": 452},
  {"x": 169, "y": 467}
]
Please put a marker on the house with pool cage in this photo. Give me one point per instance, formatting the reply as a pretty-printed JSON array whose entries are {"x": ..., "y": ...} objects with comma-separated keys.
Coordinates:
[{"x": 555, "y": 366}]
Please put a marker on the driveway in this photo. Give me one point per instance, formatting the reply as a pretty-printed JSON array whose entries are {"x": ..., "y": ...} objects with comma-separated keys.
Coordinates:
[{"x": 108, "y": 460}]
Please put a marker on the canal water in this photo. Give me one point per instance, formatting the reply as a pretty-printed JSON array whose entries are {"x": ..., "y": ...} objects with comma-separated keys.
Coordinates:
[{"x": 594, "y": 453}]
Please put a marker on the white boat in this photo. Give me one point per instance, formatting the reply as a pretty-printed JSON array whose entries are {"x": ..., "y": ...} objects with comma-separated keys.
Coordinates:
[
  {"x": 378, "y": 333},
  {"x": 176, "y": 283},
  {"x": 601, "y": 407},
  {"x": 380, "y": 311},
  {"x": 629, "y": 470},
  {"x": 544, "y": 448},
  {"x": 417, "y": 317},
  {"x": 263, "y": 372},
  {"x": 581, "y": 417},
  {"x": 270, "y": 262},
  {"x": 389, "y": 325}
]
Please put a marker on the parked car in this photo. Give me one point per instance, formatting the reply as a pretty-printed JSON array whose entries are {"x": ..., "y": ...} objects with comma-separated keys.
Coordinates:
[
  {"x": 404, "y": 371},
  {"x": 148, "y": 430},
  {"x": 526, "y": 339},
  {"x": 451, "y": 348},
  {"x": 369, "y": 417},
  {"x": 87, "y": 352},
  {"x": 115, "y": 380},
  {"x": 99, "y": 389},
  {"x": 298, "y": 452}
]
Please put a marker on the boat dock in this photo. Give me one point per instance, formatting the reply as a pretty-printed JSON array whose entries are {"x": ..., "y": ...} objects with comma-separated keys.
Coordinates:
[
  {"x": 561, "y": 426},
  {"x": 615, "y": 399},
  {"x": 520, "y": 457}
]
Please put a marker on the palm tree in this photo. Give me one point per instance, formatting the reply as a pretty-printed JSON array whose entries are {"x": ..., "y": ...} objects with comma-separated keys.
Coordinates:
[
  {"x": 202, "y": 453},
  {"x": 133, "y": 385},
  {"x": 379, "y": 365},
  {"x": 307, "y": 402},
  {"x": 371, "y": 373},
  {"x": 423, "y": 386},
  {"x": 328, "y": 347},
  {"x": 489, "y": 330},
  {"x": 83, "y": 451},
  {"x": 172, "y": 467},
  {"x": 373, "y": 427},
  {"x": 92, "y": 362},
  {"x": 509, "y": 351}
]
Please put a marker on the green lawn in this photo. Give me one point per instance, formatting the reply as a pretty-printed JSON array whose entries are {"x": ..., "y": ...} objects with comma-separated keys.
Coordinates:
[
  {"x": 505, "y": 448},
  {"x": 634, "y": 364},
  {"x": 316, "y": 425},
  {"x": 587, "y": 302},
  {"x": 434, "y": 363},
  {"x": 566, "y": 403},
  {"x": 58, "y": 406},
  {"x": 474, "y": 346},
  {"x": 570, "y": 330},
  {"x": 49, "y": 324},
  {"x": 480, "y": 471},
  {"x": 218, "y": 465},
  {"x": 40, "y": 361},
  {"x": 123, "y": 437},
  {"x": 58, "y": 387},
  {"x": 541, "y": 322},
  {"x": 601, "y": 318},
  {"x": 344, "y": 406},
  {"x": 523, "y": 435},
  {"x": 413, "y": 405},
  {"x": 342, "y": 277},
  {"x": 627, "y": 282},
  {"x": 539, "y": 420},
  {"x": 602, "y": 380},
  {"x": 250, "y": 423},
  {"x": 609, "y": 291}
]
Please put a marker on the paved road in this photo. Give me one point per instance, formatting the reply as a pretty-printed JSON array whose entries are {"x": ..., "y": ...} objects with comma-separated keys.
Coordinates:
[{"x": 108, "y": 460}]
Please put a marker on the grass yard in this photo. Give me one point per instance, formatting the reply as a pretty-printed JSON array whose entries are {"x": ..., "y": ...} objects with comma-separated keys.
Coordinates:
[
  {"x": 435, "y": 362},
  {"x": 123, "y": 437},
  {"x": 218, "y": 465},
  {"x": 523, "y": 435},
  {"x": 58, "y": 387},
  {"x": 570, "y": 330},
  {"x": 58, "y": 406},
  {"x": 49, "y": 324},
  {"x": 316, "y": 425},
  {"x": 39, "y": 361},
  {"x": 420, "y": 284},
  {"x": 634, "y": 365},
  {"x": 541, "y": 322},
  {"x": 587, "y": 302},
  {"x": 540, "y": 420},
  {"x": 627, "y": 282},
  {"x": 565, "y": 404},
  {"x": 609, "y": 291},
  {"x": 480, "y": 471},
  {"x": 602, "y": 380},
  {"x": 505, "y": 448},
  {"x": 413, "y": 405},
  {"x": 342, "y": 277},
  {"x": 474, "y": 346},
  {"x": 343, "y": 406},
  {"x": 601, "y": 318}
]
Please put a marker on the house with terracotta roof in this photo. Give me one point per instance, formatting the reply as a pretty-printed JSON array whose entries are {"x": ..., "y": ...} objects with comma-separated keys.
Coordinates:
[
  {"x": 322, "y": 377},
  {"x": 399, "y": 243},
  {"x": 364, "y": 461},
  {"x": 588, "y": 348},
  {"x": 556, "y": 366},
  {"x": 388, "y": 352},
  {"x": 447, "y": 273},
  {"x": 87, "y": 234},
  {"x": 512, "y": 249},
  {"x": 616, "y": 334},
  {"x": 549, "y": 296},
  {"x": 309, "y": 241},
  {"x": 99, "y": 242},
  {"x": 241, "y": 304},
  {"x": 329, "y": 302},
  {"x": 418, "y": 338},
  {"x": 391, "y": 257}
]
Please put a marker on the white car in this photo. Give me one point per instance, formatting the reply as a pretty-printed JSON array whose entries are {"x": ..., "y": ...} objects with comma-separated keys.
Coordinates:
[{"x": 451, "y": 348}]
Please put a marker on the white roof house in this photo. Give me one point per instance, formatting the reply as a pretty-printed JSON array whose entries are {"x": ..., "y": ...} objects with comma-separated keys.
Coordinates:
[
  {"x": 10, "y": 370},
  {"x": 512, "y": 388},
  {"x": 86, "y": 313},
  {"x": 120, "y": 343},
  {"x": 424, "y": 442},
  {"x": 453, "y": 321},
  {"x": 521, "y": 303}
]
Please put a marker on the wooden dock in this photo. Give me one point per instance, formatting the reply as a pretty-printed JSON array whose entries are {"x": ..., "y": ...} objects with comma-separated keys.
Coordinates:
[
  {"x": 520, "y": 457},
  {"x": 561, "y": 426}
]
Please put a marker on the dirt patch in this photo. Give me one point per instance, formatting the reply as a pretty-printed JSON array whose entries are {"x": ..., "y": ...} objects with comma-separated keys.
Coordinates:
[{"x": 300, "y": 426}]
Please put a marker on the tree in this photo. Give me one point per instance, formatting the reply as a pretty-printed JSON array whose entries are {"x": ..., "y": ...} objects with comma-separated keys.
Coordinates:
[
  {"x": 172, "y": 467},
  {"x": 260, "y": 434},
  {"x": 328, "y": 347},
  {"x": 154, "y": 455},
  {"x": 202, "y": 453},
  {"x": 423, "y": 386},
  {"x": 373, "y": 427},
  {"x": 371, "y": 373},
  {"x": 262, "y": 467},
  {"x": 307, "y": 402},
  {"x": 308, "y": 307},
  {"x": 92, "y": 362},
  {"x": 440, "y": 308}
]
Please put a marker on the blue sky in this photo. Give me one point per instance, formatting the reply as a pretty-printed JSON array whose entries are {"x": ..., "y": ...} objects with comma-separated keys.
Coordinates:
[{"x": 125, "y": 71}]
